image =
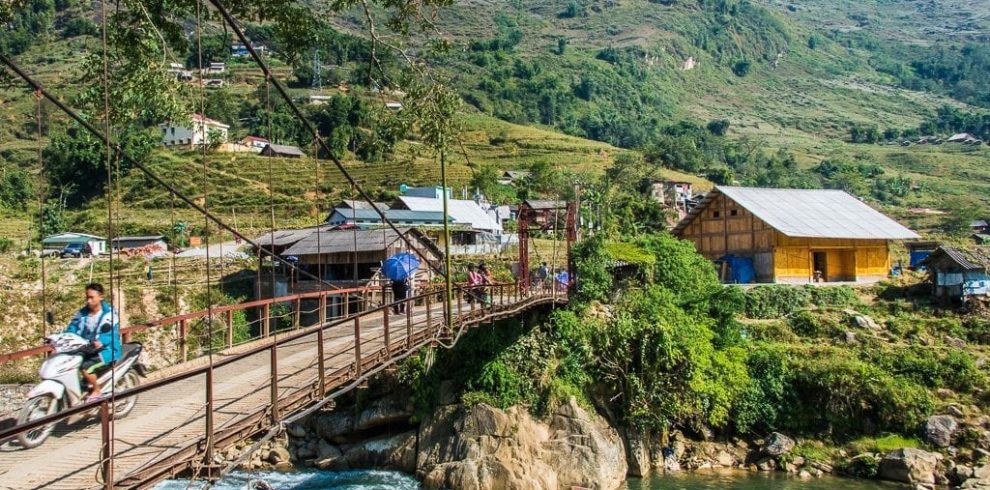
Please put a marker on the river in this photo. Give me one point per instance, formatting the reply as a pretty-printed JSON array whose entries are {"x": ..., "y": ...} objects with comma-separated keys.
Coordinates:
[{"x": 390, "y": 480}]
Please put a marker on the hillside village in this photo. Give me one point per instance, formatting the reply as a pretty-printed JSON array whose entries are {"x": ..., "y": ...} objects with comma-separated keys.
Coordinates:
[{"x": 691, "y": 235}]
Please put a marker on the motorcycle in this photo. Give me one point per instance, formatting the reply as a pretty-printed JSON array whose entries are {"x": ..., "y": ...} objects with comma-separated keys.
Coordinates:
[{"x": 61, "y": 387}]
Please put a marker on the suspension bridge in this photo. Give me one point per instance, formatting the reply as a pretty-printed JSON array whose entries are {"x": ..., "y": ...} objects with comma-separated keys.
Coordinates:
[{"x": 188, "y": 416}]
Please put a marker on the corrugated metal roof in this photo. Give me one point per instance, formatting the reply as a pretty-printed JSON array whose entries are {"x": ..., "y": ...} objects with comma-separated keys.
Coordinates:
[
  {"x": 545, "y": 204},
  {"x": 342, "y": 215},
  {"x": 339, "y": 241},
  {"x": 284, "y": 150},
  {"x": 71, "y": 235},
  {"x": 464, "y": 212},
  {"x": 284, "y": 238},
  {"x": 356, "y": 204},
  {"x": 969, "y": 260},
  {"x": 810, "y": 213}
]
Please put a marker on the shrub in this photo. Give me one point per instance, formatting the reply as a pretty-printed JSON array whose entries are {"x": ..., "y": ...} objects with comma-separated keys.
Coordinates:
[
  {"x": 775, "y": 301},
  {"x": 6, "y": 244},
  {"x": 833, "y": 296},
  {"x": 808, "y": 324}
]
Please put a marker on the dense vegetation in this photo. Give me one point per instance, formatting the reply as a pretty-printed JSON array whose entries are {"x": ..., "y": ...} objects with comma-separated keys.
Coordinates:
[{"x": 659, "y": 344}]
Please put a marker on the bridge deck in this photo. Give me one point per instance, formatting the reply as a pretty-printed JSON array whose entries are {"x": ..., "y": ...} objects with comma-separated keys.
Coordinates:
[{"x": 165, "y": 431}]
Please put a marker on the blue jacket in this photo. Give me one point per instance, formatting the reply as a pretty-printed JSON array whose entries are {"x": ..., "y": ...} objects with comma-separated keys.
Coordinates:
[{"x": 107, "y": 332}]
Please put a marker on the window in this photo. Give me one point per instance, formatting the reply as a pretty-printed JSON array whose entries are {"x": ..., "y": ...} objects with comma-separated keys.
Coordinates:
[
  {"x": 716, "y": 214},
  {"x": 173, "y": 131},
  {"x": 734, "y": 212},
  {"x": 164, "y": 131}
]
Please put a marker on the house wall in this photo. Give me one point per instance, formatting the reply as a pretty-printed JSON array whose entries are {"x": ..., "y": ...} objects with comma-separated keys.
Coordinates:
[
  {"x": 179, "y": 135},
  {"x": 847, "y": 260},
  {"x": 724, "y": 227}
]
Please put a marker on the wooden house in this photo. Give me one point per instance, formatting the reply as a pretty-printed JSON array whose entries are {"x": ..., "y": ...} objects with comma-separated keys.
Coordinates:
[
  {"x": 958, "y": 275},
  {"x": 793, "y": 235}
]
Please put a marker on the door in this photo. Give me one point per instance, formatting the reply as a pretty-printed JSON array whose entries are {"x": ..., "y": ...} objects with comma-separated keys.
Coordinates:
[{"x": 819, "y": 266}]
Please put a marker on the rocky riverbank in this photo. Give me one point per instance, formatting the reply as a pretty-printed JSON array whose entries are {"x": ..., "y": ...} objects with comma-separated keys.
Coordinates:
[{"x": 480, "y": 446}]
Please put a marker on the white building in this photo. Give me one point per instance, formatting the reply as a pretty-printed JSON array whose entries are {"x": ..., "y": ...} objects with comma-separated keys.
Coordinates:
[
  {"x": 97, "y": 244},
  {"x": 200, "y": 129}
]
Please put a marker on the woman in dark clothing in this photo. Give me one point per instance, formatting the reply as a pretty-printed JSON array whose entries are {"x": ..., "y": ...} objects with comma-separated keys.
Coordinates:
[{"x": 399, "y": 291}]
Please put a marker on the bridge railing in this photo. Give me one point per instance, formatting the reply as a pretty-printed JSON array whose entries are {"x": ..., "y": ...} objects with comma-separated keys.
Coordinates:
[
  {"x": 303, "y": 367},
  {"x": 333, "y": 303}
]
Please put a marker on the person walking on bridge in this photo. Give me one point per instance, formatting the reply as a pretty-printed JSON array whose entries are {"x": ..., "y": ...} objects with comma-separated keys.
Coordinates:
[{"x": 98, "y": 323}]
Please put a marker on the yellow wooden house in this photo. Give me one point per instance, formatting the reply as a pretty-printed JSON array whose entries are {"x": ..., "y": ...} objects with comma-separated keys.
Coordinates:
[{"x": 793, "y": 235}]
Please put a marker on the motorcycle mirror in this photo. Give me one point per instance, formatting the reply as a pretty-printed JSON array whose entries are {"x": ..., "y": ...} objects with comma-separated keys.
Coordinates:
[{"x": 50, "y": 317}]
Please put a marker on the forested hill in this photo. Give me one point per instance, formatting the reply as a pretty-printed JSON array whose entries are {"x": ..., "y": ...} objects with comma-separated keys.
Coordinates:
[{"x": 817, "y": 93}]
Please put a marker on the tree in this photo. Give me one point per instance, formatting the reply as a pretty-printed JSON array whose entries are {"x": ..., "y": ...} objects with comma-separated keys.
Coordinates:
[
  {"x": 718, "y": 127},
  {"x": 741, "y": 67},
  {"x": 15, "y": 190},
  {"x": 961, "y": 212}
]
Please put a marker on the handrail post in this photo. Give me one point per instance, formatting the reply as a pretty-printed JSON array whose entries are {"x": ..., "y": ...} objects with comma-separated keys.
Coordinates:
[
  {"x": 320, "y": 362},
  {"x": 295, "y": 319},
  {"x": 230, "y": 328},
  {"x": 323, "y": 309},
  {"x": 385, "y": 317},
  {"x": 347, "y": 305},
  {"x": 183, "y": 347},
  {"x": 429, "y": 310},
  {"x": 409, "y": 309},
  {"x": 501, "y": 294},
  {"x": 266, "y": 320},
  {"x": 106, "y": 463},
  {"x": 273, "y": 350},
  {"x": 357, "y": 346},
  {"x": 208, "y": 457},
  {"x": 460, "y": 307}
]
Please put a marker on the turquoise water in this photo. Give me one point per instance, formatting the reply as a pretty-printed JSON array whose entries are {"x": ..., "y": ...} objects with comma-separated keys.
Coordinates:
[
  {"x": 743, "y": 480},
  {"x": 391, "y": 480},
  {"x": 309, "y": 480}
]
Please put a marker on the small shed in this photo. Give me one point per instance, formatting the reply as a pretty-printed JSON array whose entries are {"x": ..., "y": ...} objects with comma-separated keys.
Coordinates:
[
  {"x": 130, "y": 242},
  {"x": 919, "y": 251},
  {"x": 958, "y": 274},
  {"x": 96, "y": 243},
  {"x": 284, "y": 151}
]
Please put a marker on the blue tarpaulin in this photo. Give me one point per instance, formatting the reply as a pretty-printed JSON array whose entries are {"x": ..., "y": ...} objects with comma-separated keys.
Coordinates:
[{"x": 741, "y": 270}]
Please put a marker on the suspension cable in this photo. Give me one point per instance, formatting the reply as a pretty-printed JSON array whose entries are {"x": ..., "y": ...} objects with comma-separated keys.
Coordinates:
[
  {"x": 309, "y": 125},
  {"x": 41, "y": 215}
]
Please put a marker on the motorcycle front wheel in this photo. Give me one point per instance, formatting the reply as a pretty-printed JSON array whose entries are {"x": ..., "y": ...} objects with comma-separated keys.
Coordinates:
[{"x": 34, "y": 409}]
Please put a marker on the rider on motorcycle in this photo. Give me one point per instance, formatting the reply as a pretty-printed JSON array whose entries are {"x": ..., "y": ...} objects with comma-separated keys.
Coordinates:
[{"x": 98, "y": 323}]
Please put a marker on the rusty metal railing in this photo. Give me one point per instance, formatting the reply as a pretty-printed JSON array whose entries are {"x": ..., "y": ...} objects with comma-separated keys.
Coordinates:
[{"x": 423, "y": 325}]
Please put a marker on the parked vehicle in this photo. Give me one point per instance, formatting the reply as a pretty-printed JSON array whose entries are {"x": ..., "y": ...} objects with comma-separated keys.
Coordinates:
[
  {"x": 61, "y": 389},
  {"x": 77, "y": 250}
]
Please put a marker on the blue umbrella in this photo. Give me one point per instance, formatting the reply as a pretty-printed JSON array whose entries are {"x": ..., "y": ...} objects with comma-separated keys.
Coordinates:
[{"x": 400, "y": 266}]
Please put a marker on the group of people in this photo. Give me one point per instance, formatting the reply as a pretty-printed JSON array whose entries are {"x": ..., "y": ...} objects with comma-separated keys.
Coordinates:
[
  {"x": 541, "y": 279},
  {"x": 478, "y": 277}
]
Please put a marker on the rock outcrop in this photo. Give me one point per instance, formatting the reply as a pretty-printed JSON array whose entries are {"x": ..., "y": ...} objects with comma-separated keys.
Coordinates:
[
  {"x": 487, "y": 448},
  {"x": 939, "y": 430},
  {"x": 910, "y": 465},
  {"x": 777, "y": 444}
]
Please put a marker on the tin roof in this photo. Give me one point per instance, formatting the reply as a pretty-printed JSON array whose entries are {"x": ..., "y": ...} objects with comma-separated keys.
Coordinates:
[
  {"x": 970, "y": 260},
  {"x": 391, "y": 214},
  {"x": 544, "y": 204},
  {"x": 285, "y": 238},
  {"x": 462, "y": 211},
  {"x": 809, "y": 213},
  {"x": 339, "y": 241},
  {"x": 284, "y": 150},
  {"x": 359, "y": 204}
]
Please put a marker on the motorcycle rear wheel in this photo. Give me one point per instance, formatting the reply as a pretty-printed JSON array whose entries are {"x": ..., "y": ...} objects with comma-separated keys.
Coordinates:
[
  {"x": 124, "y": 406},
  {"x": 34, "y": 409}
]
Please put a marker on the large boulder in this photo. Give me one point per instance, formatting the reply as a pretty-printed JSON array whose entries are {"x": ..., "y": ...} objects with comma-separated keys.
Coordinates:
[
  {"x": 939, "y": 430},
  {"x": 397, "y": 452},
  {"x": 334, "y": 425},
  {"x": 979, "y": 479},
  {"x": 383, "y": 412},
  {"x": 777, "y": 444},
  {"x": 486, "y": 448},
  {"x": 909, "y": 465}
]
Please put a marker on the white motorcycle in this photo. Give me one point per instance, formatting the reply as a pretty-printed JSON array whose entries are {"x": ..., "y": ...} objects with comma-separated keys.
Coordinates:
[{"x": 61, "y": 389}]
